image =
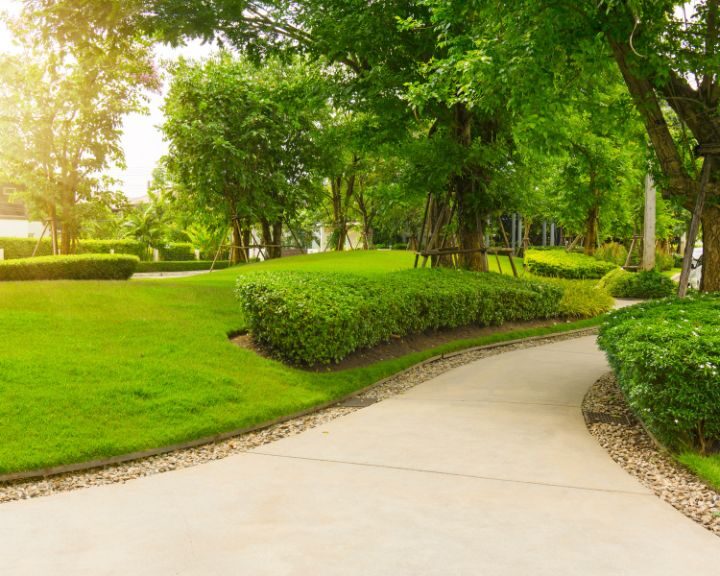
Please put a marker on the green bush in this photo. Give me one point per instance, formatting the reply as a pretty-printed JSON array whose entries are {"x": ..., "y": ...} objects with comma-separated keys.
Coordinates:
[
  {"x": 664, "y": 262},
  {"x": 23, "y": 247},
  {"x": 176, "y": 251},
  {"x": 400, "y": 246},
  {"x": 582, "y": 300},
  {"x": 181, "y": 266},
  {"x": 612, "y": 252},
  {"x": 79, "y": 267},
  {"x": 622, "y": 284},
  {"x": 314, "y": 318},
  {"x": 561, "y": 264},
  {"x": 666, "y": 355}
]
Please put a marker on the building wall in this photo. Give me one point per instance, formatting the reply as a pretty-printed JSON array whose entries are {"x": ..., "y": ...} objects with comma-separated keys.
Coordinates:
[{"x": 14, "y": 228}]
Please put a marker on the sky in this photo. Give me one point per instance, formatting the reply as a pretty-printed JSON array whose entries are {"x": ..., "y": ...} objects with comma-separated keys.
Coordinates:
[{"x": 142, "y": 139}]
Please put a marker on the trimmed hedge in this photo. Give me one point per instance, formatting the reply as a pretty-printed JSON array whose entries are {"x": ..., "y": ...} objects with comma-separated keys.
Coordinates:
[
  {"x": 561, "y": 264},
  {"x": 181, "y": 266},
  {"x": 314, "y": 318},
  {"x": 622, "y": 284},
  {"x": 23, "y": 247},
  {"x": 666, "y": 355},
  {"x": 79, "y": 267},
  {"x": 176, "y": 251}
]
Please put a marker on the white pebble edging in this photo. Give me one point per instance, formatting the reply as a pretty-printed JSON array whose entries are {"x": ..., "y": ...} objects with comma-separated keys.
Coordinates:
[
  {"x": 184, "y": 458},
  {"x": 632, "y": 448}
]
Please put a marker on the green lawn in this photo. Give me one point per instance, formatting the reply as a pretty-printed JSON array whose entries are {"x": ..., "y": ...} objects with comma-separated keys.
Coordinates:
[
  {"x": 94, "y": 369},
  {"x": 706, "y": 467}
]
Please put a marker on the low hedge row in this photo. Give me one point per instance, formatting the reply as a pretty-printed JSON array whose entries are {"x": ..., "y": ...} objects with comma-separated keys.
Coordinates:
[
  {"x": 666, "y": 355},
  {"x": 181, "y": 266},
  {"x": 561, "y": 264},
  {"x": 651, "y": 284},
  {"x": 77, "y": 267},
  {"x": 23, "y": 247},
  {"x": 312, "y": 318}
]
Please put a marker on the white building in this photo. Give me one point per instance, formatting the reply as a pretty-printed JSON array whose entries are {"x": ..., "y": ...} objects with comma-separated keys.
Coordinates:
[{"x": 14, "y": 222}]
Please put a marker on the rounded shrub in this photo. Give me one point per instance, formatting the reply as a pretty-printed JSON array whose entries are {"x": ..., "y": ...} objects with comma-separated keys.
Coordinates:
[
  {"x": 76, "y": 267},
  {"x": 645, "y": 284},
  {"x": 666, "y": 355},
  {"x": 558, "y": 263}
]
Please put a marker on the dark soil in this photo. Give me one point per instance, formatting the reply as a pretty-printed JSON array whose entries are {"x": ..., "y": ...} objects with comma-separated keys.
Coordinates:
[{"x": 398, "y": 347}]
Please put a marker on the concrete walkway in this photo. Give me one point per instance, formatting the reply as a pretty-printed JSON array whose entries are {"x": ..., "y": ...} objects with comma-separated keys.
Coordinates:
[{"x": 485, "y": 470}]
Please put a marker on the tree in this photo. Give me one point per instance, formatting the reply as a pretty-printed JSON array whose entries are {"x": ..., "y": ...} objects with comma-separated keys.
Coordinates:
[
  {"x": 63, "y": 100},
  {"x": 667, "y": 53},
  {"x": 242, "y": 142}
]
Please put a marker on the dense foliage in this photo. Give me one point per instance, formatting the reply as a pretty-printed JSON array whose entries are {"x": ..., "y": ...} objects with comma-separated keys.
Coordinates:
[
  {"x": 81, "y": 267},
  {"x": 321, "y": 318},
  {"x": 612, "y": 252},
  {"x": 644, "y": 284},
  {"x": 562, "y": 264},
  {"x": 666, "y": 355}
]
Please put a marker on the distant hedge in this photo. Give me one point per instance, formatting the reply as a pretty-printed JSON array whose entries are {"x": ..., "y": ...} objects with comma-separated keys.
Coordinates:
[
  {"x": 314, "y": 318},
  {"x": 23, "y": 247},
  {"x": 181, "y": 266},
  {"x": 176, "y": 251},
  {"x": 666, "y": 355},
  {"x": 77, "y": 267},
  {"x": 561, "y": 264}
]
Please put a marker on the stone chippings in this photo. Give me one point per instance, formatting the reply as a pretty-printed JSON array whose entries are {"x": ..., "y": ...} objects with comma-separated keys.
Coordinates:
[
  {"x": 120, "y": 473},
  {"x": 633, "y": 449}
]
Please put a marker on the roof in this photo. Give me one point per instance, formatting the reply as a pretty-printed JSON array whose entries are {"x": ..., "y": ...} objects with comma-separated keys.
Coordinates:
[{"x": 14, "y": 210}]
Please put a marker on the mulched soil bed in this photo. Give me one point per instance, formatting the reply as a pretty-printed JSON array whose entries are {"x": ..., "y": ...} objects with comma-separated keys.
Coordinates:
[
  {"x": 120, "y": 473},
  {"x": 398, "y": 347},
  {"x": 631, "y": 447}
]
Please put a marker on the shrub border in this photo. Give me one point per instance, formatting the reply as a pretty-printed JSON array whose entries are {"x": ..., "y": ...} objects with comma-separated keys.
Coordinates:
[{"x": 40, "y": 473}]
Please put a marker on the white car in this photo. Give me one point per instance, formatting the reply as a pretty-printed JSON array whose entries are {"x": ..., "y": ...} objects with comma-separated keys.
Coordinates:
[{"x": 696, "y": 269}]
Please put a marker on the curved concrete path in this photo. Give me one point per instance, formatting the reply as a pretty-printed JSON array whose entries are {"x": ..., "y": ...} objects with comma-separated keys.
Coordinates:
[{"x": 485, "y": 470}]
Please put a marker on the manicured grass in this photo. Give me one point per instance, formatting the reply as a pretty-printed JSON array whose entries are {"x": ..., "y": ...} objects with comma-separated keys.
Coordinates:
[
  {"x": 94, "y": 369},
  {"x": 706, "y": 467}
]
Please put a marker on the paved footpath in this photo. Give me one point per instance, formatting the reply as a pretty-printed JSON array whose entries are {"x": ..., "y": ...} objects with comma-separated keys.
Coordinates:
[{"x": 486, "y": 470}]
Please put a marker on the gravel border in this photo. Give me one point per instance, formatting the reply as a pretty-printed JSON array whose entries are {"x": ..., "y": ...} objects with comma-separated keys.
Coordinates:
[
  {"x": 184, "y": 458},
  {"x": 631, "y": 447}
]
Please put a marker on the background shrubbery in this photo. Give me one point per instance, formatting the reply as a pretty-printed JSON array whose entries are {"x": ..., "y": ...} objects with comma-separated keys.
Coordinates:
[
  {"x": 666, "y": 355},
  {"x": 622, "y": 284},
  {"x": 23, "y": 247},
  {"x": 561, "y": 264},
  {"x": 320, "y": 318},
  {"x": 612, "y": 252},
  {"x": 80, "y": 267}
]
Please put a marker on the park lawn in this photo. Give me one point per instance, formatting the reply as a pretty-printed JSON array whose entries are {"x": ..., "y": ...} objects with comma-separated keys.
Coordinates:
[
  {"x": 92, "y": 369},
  {"x": 706, "y": 467}
]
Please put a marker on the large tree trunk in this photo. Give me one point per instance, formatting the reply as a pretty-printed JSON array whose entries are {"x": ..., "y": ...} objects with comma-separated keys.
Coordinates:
[
  {"x": 277, "y": 239},
  {"x": 469, "y": 219},
  {"x": 711, "y": 249},
  {"x": 272, "y": 237}
]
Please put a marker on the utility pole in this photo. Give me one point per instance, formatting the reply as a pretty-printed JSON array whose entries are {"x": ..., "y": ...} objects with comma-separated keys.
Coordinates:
[{"x": 648, "y": 260}]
